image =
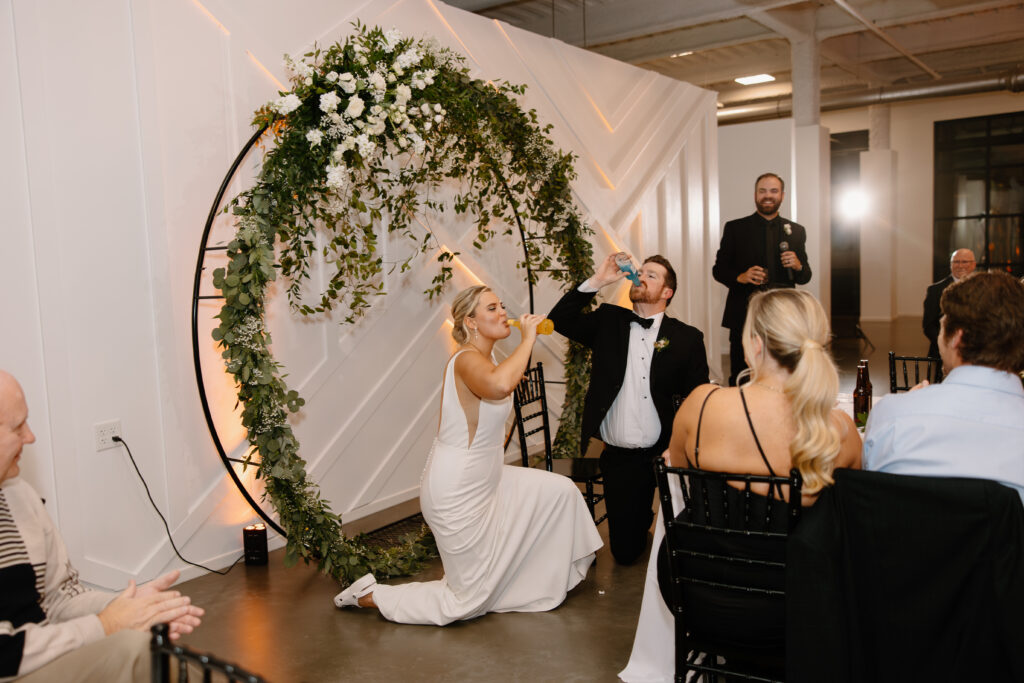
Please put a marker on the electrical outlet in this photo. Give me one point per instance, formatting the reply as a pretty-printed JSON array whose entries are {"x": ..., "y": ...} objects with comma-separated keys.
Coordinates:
[{"x": 105, "y": 433}]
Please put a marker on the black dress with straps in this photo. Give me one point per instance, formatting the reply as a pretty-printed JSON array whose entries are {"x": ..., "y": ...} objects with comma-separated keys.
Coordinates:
[{"x": 744, "y": 622}]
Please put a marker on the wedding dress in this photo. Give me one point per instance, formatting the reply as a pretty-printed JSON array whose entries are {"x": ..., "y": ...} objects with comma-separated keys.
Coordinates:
[{"x": 511, "y": 539}]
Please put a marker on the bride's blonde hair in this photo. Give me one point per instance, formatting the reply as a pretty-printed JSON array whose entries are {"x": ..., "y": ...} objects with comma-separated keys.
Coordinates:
[
  {"x": 463, "y": 306},
  {"x": 794, "y": 330}
]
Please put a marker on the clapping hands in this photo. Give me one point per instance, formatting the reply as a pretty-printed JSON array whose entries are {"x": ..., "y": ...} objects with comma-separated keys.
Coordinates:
[{"x": 140, "y": 607}]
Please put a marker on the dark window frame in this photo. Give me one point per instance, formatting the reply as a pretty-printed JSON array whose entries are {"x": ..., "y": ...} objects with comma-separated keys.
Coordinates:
[{"x": 957, "y": 149}]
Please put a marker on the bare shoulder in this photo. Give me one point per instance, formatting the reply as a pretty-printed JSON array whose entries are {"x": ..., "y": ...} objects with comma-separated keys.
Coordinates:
[
  {"x": 470, "y": 360},
  {"x": 697, "y": 397}
]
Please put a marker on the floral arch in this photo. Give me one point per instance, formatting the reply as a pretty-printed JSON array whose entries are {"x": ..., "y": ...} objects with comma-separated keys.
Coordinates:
[{"x": 369, "y": 127}]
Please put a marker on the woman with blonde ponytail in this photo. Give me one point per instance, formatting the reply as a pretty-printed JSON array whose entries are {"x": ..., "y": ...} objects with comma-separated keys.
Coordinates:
[{"x": 785, "y": 415}]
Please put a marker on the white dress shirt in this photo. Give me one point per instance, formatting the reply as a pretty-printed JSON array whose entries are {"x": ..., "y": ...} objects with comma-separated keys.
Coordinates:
[{"x": 632, "y": 420}]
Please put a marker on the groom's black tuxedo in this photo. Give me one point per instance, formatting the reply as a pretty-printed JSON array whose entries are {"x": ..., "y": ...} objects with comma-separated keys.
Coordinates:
[
  {"x": 679, "y": 365},
  {"x": 677, "y": 368}
]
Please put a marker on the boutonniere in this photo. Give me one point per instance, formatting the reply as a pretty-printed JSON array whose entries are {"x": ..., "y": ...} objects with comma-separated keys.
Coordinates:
[
  {"x": 660, "y": 344},
  {"x": 787, "y": 228}
]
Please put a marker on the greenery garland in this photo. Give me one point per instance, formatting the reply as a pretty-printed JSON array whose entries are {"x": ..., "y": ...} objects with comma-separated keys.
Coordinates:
[{"x": 370, "y": 128}]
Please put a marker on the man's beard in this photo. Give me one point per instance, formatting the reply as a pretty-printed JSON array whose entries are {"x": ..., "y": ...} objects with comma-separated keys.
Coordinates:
[
  {"x": 768, "y": 206},
  {"x": 642, "y": 295}
]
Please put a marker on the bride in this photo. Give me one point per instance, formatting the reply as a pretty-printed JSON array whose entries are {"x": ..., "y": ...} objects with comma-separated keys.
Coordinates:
[{"x": 511, "y": 539}]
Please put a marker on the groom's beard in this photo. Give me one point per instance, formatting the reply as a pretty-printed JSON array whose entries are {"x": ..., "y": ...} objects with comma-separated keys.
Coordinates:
[{"x": 642, "y": 295}]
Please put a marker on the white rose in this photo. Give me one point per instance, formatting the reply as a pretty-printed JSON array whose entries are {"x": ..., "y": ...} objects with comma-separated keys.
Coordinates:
[
  {"x": 308, "y": 81},
  {"x": 354, "y": 108},
  {"x": 438, "y": 119},
  {"x": 377, "y": 81},
  {"x": 425, "y": 109},
  {"x": 315, "y": 137},
  {"x": 376, "y": 109},
  {"x": 437, "y": 108},
  {"x": 286, "y": 104},
  {"x": 329, "y": 102},
  {"x": 391, "y": 78},
  {"x": 332, "y": 76},
  {"x": 428, "y": 125},
  {"x": 336, "y": 175},
  {"x": 363, "y": 60},
  {"x": 403, "y": 94}
]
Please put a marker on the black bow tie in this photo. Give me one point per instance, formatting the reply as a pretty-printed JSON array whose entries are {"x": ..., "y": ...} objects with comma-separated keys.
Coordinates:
[{"x": 642, "y": 322}]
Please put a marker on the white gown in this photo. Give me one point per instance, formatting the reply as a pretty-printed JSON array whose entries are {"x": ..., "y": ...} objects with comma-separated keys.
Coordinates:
[
  {"x": 511, "y": 539},
  {"x": 653, "y": 659}
]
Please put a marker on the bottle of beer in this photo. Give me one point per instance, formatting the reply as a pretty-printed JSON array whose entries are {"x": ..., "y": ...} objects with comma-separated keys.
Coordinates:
[{"x": 862, "y": 395}]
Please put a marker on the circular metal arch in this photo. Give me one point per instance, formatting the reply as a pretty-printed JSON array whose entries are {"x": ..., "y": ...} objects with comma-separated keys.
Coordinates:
[{"x": 196, "y": 298}]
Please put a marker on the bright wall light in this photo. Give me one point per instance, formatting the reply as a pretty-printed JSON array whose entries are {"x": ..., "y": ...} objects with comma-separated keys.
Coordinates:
[
  {"x": 753, "y": 80},
  {"x": 853, "y": 203}
]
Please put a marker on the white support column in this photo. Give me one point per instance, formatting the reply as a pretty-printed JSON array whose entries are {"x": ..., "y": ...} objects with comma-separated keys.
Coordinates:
[
  {"x": 878, "y": 276},
  {"x": 806, "y": 62},
  {"x": 809, "y": 198}
]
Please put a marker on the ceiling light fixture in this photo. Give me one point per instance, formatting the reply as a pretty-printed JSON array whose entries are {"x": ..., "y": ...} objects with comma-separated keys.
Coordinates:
[
  {"x": 681, "y": 54},
  {"x": 752, "y": 80}
]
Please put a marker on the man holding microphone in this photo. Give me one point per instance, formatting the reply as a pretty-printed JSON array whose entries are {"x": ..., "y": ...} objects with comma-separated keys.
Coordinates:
[{"x": 761, "y": 251}]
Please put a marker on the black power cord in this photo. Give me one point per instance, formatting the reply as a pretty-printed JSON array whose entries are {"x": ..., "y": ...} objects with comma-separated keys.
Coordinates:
[{"x": 163, "y": 519}]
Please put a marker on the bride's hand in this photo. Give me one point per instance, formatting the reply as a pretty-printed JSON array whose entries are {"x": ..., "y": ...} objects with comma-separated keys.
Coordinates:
[{"x": 528, "y": 325}]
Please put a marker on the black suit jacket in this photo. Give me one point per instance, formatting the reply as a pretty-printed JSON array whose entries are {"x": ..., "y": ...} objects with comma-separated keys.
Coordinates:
[
  {"x": 932, "y": 314},
  {"x": 676, "y": 369},
  {"x": 743, "y": 246}
]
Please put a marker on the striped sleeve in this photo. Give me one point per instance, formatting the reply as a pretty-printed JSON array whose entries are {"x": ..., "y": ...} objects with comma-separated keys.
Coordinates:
[{"x": 45, "y": 611}]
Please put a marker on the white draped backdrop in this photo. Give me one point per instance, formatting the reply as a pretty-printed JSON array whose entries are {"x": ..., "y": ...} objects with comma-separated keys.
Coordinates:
[{"x": 120, "y": 119}]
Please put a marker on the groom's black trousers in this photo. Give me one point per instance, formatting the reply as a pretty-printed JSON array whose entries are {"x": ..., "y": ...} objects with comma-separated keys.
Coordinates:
[{"x": 629, "y": 485}]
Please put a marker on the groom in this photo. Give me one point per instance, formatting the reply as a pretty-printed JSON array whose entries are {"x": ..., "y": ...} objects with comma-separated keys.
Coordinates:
[{"x": 641, "y": 361}]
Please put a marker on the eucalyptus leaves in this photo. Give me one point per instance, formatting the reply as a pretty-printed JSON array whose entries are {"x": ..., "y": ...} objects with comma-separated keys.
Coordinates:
[{"x": 368, "y": 132}]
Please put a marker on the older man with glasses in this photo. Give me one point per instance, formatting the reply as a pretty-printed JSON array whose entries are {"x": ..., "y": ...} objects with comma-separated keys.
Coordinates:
[{"x": 961, "y": 264}]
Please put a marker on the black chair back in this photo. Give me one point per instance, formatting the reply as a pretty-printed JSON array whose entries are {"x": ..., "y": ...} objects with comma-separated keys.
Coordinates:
[
  {"x": 531, "y": 408},
  {"x": 903, "y": 369},
  {"x": 186, "y": 662},
  {"x": 896, "y": 577},
  {"x": 722, "y": 569}
]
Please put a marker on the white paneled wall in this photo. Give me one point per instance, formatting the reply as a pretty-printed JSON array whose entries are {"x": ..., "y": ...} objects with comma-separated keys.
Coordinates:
[{"x": 121, "y": 119}]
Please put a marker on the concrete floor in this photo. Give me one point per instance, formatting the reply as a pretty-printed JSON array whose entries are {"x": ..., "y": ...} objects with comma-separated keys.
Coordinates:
[{"x": 282, "y": 624}]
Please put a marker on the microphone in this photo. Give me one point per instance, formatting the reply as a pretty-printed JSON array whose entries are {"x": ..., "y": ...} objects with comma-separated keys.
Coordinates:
[{"x": 784, "y": 246}]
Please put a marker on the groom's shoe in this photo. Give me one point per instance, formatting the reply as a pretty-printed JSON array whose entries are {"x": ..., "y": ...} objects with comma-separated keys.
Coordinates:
[{"x": 360, "y": 587}]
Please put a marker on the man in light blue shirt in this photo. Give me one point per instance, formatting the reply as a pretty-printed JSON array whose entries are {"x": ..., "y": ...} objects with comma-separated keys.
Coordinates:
[{"x": 971, "y": 425}]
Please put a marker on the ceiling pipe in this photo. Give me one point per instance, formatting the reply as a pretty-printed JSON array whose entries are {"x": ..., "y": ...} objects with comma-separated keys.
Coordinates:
[{"x": 781, "y": 107}]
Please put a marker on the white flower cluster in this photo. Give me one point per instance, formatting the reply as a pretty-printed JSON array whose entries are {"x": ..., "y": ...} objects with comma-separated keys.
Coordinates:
[
  {"x": 271, "y": 417},
  {"x": 364, "y": 104},
  {"x": 410, "y": 57},
  {"x": 250, "y": 327},
  {"x": 286, "y": 104},
  {"x": 421, "y": 79},
  {"x": 391, "y": 40}
]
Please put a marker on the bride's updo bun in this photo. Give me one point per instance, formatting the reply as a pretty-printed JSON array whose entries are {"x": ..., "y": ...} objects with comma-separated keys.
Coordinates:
[
  {"x": 795, "y": 332},
  {"x": 463, "y": 307}
]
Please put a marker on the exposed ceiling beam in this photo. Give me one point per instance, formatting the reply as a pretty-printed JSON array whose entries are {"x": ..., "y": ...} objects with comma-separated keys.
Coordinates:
[{"x": 885, "y": 36}]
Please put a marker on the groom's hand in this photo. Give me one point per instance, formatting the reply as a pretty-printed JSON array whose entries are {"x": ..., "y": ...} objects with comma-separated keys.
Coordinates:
[{"x": 607, "y": 273}]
